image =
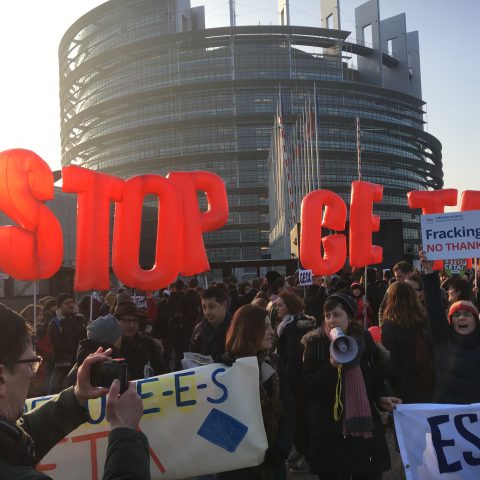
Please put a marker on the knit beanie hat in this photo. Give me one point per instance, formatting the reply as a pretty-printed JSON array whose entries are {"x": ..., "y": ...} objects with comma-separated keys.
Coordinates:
[
  {"x": 104, "y": 330},
  {"x": 463, "y": 305},
  {"x": 61, "y": 297},
  {"x": 347, "y": 301}
]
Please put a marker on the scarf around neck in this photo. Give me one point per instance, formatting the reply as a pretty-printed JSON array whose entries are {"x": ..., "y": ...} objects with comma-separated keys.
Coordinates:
[{"x": 16, "y": 444}]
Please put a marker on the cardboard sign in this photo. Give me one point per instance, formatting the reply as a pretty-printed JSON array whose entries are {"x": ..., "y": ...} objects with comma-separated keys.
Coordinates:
[
  {"x": 198, "y": 421},
  {"x": 439, "y": 441},
  {"x": 305, "y": 278},
  {"x": 451, "y": 235}
]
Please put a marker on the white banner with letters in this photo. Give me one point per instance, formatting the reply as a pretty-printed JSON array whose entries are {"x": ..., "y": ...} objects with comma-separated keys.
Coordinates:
[
  {"x": 439, "y": 442},
  {"x": 198, "y": 421},
  {"x": 451, "y": 235}
]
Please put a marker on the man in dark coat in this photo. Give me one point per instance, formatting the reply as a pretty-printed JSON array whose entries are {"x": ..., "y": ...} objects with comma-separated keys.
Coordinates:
[
  {"x": 26, "y": 439},
  {"x": 65, "y": 331},
  {"x": 209, "y": 335},
  {"x": 143, "y": 354}
]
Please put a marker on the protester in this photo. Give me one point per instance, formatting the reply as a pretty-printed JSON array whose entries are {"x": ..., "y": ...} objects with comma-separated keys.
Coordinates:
[
  {"x": 103, "y": 332},
  {"x": 177, "y": 315},
  {"x": 294, "y": 324},
  {"x": 363, "y": 313},
  {"x": 416, "y": 282},
  {"x": 250, "y": 333},
  {"x": 405, "y": 335},
  {"x": 65, "y": 331},
  {"x": 458, "y": 289},
  {"x": 26, "y": 438},
  {"x": 208, "y": 337},
  {"x": 346, "y": 433},
  {"x": 144, "y": 354},
  {"x": 456, "y": 343}
]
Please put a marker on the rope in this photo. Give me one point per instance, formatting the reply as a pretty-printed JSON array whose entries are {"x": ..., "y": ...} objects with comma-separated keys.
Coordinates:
[{"x": 338, "y": 407}]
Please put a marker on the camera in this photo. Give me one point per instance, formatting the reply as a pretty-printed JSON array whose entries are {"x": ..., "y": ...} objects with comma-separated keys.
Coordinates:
[{"x": 104, "y": 373}]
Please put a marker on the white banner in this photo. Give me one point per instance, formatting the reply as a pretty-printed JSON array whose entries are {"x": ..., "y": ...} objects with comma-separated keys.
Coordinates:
[
  {"x": 439, "y": 442},
  {"x": 198, "y": 421},
  {"x": 451, "y": 235}
]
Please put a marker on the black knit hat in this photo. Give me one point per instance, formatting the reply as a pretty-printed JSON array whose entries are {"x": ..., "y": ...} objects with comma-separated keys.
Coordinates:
[
  {"x": 61, "y": 297},
  {"x": 347, "y": 301}
]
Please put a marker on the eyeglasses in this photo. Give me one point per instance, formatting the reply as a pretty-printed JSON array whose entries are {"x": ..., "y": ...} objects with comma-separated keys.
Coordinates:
[{"x": 33, "y": 362}]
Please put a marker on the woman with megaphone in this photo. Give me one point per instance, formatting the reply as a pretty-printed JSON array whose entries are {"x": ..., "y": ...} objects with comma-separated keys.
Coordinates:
[{"x": 344, "y": 383}]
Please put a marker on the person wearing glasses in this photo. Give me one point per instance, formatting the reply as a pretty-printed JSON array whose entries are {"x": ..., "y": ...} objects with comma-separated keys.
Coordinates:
[{"x": 26, "y": 438}]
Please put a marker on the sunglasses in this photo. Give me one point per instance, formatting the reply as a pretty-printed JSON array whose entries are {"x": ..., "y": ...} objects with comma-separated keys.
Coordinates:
[{"x": 33, "y": 362}]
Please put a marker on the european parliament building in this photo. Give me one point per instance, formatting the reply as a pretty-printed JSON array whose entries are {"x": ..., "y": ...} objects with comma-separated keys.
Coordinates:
[{"x": 146, "y": 88}]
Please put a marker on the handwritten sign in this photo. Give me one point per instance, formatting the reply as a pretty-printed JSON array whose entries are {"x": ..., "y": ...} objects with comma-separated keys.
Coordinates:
[
  {"x": 451, "y": 235},
  {"x": 198, "y": 421},
  {"x": 305, "y": 278}
]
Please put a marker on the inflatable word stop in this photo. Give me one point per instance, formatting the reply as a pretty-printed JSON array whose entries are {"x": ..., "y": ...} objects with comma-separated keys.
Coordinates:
[
  {"x": 33, "y": 249},
  {"x": 362, "y": 224},
  {"x": 179, "y": 246}
]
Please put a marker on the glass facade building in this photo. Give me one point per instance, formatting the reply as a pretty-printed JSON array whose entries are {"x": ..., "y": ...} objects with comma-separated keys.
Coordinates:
[{"x": 145, "y": 88}]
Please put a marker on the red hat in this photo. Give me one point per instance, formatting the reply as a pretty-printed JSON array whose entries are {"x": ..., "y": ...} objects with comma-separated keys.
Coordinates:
[{"x": 462, "y": 305}]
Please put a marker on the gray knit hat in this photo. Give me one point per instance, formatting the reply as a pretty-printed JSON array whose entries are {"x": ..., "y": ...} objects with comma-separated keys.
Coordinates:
[{"x": 104, "y": 330}]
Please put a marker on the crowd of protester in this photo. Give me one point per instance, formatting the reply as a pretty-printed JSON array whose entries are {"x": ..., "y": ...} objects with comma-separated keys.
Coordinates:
[{"x": 417, "y": 335}]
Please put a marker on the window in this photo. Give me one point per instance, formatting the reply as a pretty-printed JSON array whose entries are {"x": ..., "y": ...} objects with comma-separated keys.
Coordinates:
[
  {"x": 329, "y": 21},
  {"x": 390, "y": 47},
  {"x": 367, "y": 35}
]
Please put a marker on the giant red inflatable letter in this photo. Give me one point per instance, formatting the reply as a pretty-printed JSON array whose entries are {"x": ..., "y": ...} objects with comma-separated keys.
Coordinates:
[
  {"x": 334, "y": 246},
  {"x": 363, "y": 223},
  {"x": 195, "y": 222},
  {"x": 126, "y": 236},
  {"x": 34, "y": 249},
  {"x": 95, "y": 192},
  {"x": 432, "y": 201}
]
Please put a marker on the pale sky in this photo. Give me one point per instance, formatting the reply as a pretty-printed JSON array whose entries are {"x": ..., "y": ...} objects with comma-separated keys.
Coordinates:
[{"x": 30, "y": 31}]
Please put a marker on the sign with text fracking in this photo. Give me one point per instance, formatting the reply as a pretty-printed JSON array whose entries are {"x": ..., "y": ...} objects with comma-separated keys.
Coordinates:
[
  {"x": 439, "y": 442},
  {"x": 451, "y": 235},
  {"x": 198, "y": 421}
]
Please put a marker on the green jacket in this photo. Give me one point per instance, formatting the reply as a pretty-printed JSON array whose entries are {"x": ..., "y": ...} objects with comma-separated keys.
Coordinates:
[{"x": 127, "y": 454}]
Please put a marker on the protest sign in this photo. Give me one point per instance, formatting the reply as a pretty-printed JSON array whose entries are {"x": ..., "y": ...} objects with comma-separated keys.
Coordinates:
[
  {"x": 439, "y": 441},
  {"x": 197, "y": 421},
  {"x": 305, "y": 277},
  {"x": 455, "y": 267},
  {"x": 451, "y": 235}
]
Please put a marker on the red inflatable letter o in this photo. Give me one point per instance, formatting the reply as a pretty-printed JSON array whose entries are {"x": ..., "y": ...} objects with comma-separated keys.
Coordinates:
[
  {"x": 33, "y": 250},
  {"x": 127, "y": 230},
  {"x": 334, "y": 246}
]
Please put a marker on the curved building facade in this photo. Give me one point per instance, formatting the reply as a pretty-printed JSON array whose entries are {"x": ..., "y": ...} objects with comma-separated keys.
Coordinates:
[{"x": 145, "y": 88}]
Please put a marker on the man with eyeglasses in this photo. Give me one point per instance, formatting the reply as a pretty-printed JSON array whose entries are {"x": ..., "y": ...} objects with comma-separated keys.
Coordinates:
[{"x": 26, "y": 439}]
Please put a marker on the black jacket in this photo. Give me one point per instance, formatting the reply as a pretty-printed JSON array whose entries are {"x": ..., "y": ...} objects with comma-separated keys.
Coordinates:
[
  {"x": 140, "y": 351},
  {"x": 208, "y": 340},
  {"x": 456, "y": 357},
  {"x": 127, "y": 454},
  {"x": 411, "y": 375},
  {"x": 329, "y": 451}
]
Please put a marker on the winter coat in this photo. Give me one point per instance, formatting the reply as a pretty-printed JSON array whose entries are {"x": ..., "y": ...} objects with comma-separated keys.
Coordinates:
[
  {"x": 456, "y": 357},
  {"x": 411, "y": 375},
  {"x": 144, "y": 356},
  {"x": 127, "y": 454},
  {"x": 329, "y": 452},
  {"x": 274, "y": 390},
  {"x": 65, "y": 333},
  {"x": 290, "y": 350},
  {"x": 208, "y": 340}
]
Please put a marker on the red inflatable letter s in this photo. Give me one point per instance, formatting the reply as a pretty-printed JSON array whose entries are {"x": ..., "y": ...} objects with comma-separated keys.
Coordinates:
[{"x": 34, "y": 249}]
